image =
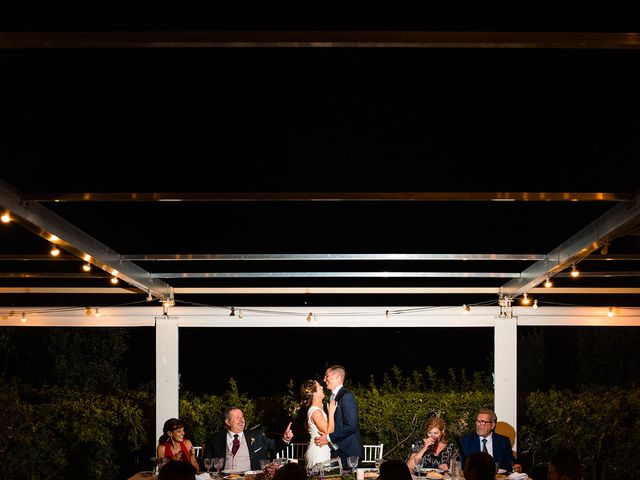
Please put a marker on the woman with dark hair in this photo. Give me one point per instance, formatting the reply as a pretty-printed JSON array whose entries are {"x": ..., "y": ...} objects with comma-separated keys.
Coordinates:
[
  {"x": 434, "y": 451},
  {"x": 565, "y": 465},
  {"x": 479, "y": 466},
  {"x": 394, "y": 470},
  {"x": 177, "y": 471},
  {"x": 174, "y": 446},
  {"x": 318, "y": 422}
]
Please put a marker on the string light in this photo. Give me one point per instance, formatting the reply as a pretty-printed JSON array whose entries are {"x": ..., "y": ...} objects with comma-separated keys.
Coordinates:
[
  {"x": 149, "y": 297},
  {"x": 605, "y": 249},
  {"x": 525, "y": 299},
  {"x": 233, "y": 312},
  {"x": 548, "y": 283},
  {"x": 240, "y": 314},
  {"x": 465, "y": 309},
  {"x": 87, "y": 311},
  {"x": 6, "y": 218},
  {"x": 23, "y": 318},
  {"x": 114, "y": 280},
  {"x": 86, "y": 267},
  {"x": 386, "y": 313},
  {"x": 97, "y": 311},
  {"x": 610, "y": 313},
  {"x": 574, "y": 271},
  {"x": 55, "y": 251},
  {"x": 309, "y": 317},
  {"x": 535, "y": 304}
]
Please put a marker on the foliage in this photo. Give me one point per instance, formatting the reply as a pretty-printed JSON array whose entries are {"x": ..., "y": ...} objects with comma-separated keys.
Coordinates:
[
  {"x": 68, "y": 434},
  {"x": 601, "y": 423},
  {"x": 73, "y": 434},
  {"x": 86, "y": 359}
]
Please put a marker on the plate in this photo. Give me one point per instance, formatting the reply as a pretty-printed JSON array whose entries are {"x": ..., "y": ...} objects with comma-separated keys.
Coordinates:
[
  {"x": 427, "y": 470},
  {"x": 233, "y": 476},
  {"x": 252, "y": 472}
]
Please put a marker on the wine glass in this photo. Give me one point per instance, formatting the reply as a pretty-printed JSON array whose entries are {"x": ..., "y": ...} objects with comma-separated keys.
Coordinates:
[
  {"x": 218, "y": 462},
  {"x": 419, "y": 466},
  {"x": 208, "y": 463},
  {"x": 353, "y": 463},
  {"x": 378, "y": 462}
]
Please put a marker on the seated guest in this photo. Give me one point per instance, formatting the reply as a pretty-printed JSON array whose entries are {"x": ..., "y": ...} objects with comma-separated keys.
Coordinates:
[
  {"x": 479, "y": 466},
  {"x": 242, "y": 450},
  {"x": 291, "y": 471},
  {"x": 177, "y": 471},
  {"x": 434, "y": 451},
  {"x": 394, "y": 470},
  {"x": 174, "y": 446},
  {"x": 565, "y": 465},
  {"x": 486, "y": 440}
]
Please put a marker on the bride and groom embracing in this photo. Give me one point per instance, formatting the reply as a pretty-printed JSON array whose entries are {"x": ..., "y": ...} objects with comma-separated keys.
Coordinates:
[{"x": 336, "y": 433}]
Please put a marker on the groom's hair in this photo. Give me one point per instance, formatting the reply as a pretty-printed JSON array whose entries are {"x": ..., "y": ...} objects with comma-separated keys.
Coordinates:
[{"x": 341, "y": 369}]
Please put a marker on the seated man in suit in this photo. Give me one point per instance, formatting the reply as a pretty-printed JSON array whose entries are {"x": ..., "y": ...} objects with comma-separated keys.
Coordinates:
[
  {"x": 242, "y": 450},
  {"x": 486, "y": 440}
]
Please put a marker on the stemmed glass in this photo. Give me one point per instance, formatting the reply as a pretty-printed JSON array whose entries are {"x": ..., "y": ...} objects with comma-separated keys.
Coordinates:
[
  {"x": 353, "y": 463},
  {"x": 378, "y": 462},
  {"x": 218, "y": 462},
  {"x": 208, "y": 463},
  {"x": 419, "y": 466}
]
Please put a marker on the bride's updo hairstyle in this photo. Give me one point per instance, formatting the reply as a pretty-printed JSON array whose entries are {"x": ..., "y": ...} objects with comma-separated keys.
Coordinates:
[{"x": 307, "y": 389}]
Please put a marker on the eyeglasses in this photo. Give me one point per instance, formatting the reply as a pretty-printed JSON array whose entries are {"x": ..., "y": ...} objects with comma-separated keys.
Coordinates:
[{"x": 483, "y": 422}]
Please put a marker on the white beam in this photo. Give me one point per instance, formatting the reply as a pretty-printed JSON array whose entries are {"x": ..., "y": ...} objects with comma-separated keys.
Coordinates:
[
  {"x": 452, "y": 316},
  {"x": 506, "y": 377},
  {"x": 167, "y": 381}
]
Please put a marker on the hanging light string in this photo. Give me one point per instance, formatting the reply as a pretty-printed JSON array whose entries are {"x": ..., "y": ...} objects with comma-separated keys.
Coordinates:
[{"x": 262, "y": 311}]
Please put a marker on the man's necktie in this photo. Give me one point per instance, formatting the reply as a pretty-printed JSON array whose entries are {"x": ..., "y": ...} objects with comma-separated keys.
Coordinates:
[
  {"x": 236, "y": 444},
  {"x": 484, "y": 445},
  {"x": 332, "y": 397}
]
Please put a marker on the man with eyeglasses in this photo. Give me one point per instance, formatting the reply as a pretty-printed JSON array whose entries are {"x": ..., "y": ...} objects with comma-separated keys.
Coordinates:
[{"x": 486, "y": 440}]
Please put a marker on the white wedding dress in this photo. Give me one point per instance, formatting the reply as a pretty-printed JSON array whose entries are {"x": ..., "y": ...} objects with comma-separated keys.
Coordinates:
[{"x": 314, "y": 453}]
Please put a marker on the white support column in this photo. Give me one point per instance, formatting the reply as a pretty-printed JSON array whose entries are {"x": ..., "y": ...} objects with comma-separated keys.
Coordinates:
[
  {"x": 167, "y": 403},
  {"x": 505, "y": 380}
]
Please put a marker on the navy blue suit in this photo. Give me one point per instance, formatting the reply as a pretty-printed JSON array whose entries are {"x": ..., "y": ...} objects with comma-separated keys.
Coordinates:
[
  {"x": 502, "y": 452},
  {"x": 346, "y": 433}
]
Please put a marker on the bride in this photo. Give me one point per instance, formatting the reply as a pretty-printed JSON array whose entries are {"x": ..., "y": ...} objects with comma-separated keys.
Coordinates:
[{"x": 312, "y": 395}]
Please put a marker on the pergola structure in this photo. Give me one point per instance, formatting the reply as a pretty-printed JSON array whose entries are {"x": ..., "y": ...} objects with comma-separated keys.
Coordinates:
[{"x": 472, "y": 276}]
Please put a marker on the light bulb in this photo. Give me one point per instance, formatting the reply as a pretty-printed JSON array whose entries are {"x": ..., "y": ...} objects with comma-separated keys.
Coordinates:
[
  {"x": 6, "y": 218},
  {"x": 610, "y": 313},
  {"x": 114, "y": 280},
  {"x": 86, "y": 267},
  {"x": 23, "y": 318},
  {"x": 535, "y": 304},
  {"x": 465, "y": 309},
  {"x": 97, "y": 312},
  {"x": 525, "y": 299},
  {"x": 574, "y": 271},
  {"x": 55, "y": 251},
  {"x": 548, "y": 283},
  {"x": 233, "y": 312}
]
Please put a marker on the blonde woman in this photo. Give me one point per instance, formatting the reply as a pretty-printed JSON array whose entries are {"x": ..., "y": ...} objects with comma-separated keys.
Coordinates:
[{"x": 318, "y": 422}]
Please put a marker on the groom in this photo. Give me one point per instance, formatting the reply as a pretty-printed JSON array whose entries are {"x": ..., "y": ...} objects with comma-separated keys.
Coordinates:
[{"x": 345, "y": 440}]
